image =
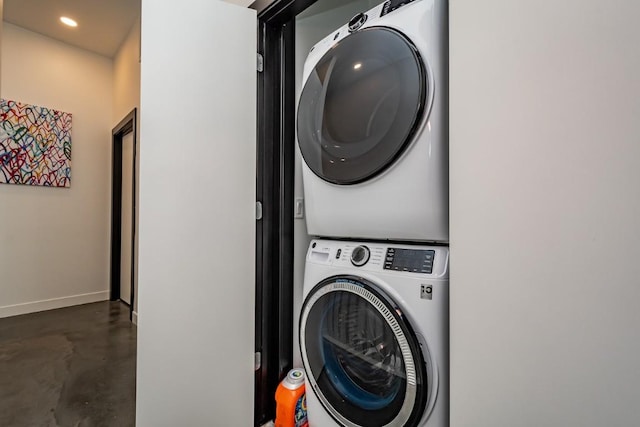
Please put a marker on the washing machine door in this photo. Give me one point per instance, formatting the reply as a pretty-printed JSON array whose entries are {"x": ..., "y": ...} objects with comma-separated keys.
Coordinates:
[
  {"x": 361, "y": 105},
  {"x": 361, "y": 356}
]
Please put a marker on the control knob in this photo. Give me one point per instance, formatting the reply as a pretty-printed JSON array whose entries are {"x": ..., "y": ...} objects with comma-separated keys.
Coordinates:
[
  {"x": 357, "y": 22},
  {"x": 360, "y": 256}
]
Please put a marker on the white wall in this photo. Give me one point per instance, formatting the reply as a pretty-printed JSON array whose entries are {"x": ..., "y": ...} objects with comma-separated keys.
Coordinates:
[
  {"x": 312, "y": 28},
  {"x": 545, "y": 213},
  {"x": 197, "y": 215},
  {"x": 55, "y": 241},
  {"x": 126, "y": 79},
  {"x": 1, "y": 21},
  {"x": 126, "y": 97}
]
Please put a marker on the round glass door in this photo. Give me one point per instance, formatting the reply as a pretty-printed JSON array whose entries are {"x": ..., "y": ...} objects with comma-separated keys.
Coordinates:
[
  {"x": 361, "y": 356},
  {"x": 361, "y": 105}
]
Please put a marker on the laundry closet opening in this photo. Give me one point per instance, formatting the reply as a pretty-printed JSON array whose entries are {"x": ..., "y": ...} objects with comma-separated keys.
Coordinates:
[{"x": 288, "y": 32}]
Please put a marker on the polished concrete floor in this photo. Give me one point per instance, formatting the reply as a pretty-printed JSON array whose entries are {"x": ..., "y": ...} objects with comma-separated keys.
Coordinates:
[{"x": 71, "y": 367}]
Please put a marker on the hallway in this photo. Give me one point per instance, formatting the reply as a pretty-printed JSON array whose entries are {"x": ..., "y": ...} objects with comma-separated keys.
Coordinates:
[{"x": 69, "y": 367}]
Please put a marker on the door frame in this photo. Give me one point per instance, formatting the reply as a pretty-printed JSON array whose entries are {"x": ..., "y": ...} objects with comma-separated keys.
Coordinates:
[
  {"x": 275, "y": 190},
  {"x": 127, "y": 125}
]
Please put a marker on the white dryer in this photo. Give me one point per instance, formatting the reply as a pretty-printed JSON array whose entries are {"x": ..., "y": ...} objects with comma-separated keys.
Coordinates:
[
  {"x": 372, "y": 126},
  {"x": 374, "y": 334}
]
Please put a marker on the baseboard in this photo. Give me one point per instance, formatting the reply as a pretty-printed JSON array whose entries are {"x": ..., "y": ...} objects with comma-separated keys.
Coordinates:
[
  {"x": 51, "y": 304},
  {"x": 134, "y": 318}
]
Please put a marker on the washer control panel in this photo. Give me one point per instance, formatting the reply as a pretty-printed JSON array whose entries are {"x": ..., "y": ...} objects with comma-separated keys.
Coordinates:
[
  {"x": 408, "y": 260},
  {"x": 411, "y": 260},
  {"x": 392, "y": 5}
]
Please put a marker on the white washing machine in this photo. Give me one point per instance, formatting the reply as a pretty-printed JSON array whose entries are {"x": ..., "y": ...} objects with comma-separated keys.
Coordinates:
[
  {"x": 374, "y": 334},
  {"x": 372, "y": 126}
]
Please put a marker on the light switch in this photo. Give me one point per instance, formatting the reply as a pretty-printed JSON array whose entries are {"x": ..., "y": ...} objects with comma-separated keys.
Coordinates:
[{"x": 299, "y": 208}]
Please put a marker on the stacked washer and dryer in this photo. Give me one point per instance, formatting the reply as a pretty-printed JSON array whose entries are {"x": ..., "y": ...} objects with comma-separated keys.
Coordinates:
[{"x": 372, "y": 130}]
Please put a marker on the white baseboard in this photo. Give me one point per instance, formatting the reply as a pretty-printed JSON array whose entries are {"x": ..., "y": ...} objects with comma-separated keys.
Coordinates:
[
  {"x": 51, "y": 304},
  {"x": 134, "y": 318}
]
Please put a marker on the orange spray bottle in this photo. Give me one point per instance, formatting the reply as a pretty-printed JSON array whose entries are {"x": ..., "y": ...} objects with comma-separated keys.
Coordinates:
[{"x": 291, "y": 403}]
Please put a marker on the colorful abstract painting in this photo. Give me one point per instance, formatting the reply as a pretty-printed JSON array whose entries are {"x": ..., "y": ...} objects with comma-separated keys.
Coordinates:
[{"x": 35, "y": 145}]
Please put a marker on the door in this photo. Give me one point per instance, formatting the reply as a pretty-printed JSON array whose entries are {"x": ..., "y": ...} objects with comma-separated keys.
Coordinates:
[
  {"x": 359, "y": 108},
  {"x": 197, "y": 214},
  {"x": 126, "y": 238},
  {"x": 123, "y": 210},
  {"x": 361, "y": 355}
]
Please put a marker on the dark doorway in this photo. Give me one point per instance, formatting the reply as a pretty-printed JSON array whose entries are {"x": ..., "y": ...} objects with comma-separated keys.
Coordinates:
[{"x": 123, "y": 210}]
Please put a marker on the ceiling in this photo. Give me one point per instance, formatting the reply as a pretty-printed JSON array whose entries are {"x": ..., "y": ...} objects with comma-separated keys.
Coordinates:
[{"x": 102, "y": 24}]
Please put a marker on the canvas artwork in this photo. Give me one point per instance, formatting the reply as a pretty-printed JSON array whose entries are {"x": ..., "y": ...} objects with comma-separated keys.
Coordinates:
[{"x": 35, "y": 145}]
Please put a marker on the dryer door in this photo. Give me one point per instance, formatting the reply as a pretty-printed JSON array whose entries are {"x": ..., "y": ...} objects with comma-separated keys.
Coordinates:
[
  {"x": 361, "y": 105},
  {"x": 361, "y": 356}
]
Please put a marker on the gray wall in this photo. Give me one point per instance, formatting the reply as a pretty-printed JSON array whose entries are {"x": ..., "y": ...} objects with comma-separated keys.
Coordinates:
[{"x": 545, "y": 213}]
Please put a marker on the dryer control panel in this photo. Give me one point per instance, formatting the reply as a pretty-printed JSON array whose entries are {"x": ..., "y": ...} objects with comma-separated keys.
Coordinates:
[{"x": 392, "y": 5}]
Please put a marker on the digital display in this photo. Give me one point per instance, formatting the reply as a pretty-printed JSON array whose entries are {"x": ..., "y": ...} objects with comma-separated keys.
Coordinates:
[
  {"x": 392, "y": 5},
  {"x": 410, "y": 260}
]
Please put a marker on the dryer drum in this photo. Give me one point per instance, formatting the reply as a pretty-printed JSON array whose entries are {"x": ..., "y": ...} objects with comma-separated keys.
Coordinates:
[
  {"x": 361, "y": 105},
  {"x": 361, "y": 355}
]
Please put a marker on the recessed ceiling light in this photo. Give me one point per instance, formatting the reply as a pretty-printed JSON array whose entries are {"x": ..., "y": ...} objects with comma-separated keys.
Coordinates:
[{"x": 68, "y": 21}]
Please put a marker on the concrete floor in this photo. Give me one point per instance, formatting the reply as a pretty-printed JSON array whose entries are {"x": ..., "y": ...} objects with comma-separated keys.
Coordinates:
[{"x": 71, "y": 367}]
